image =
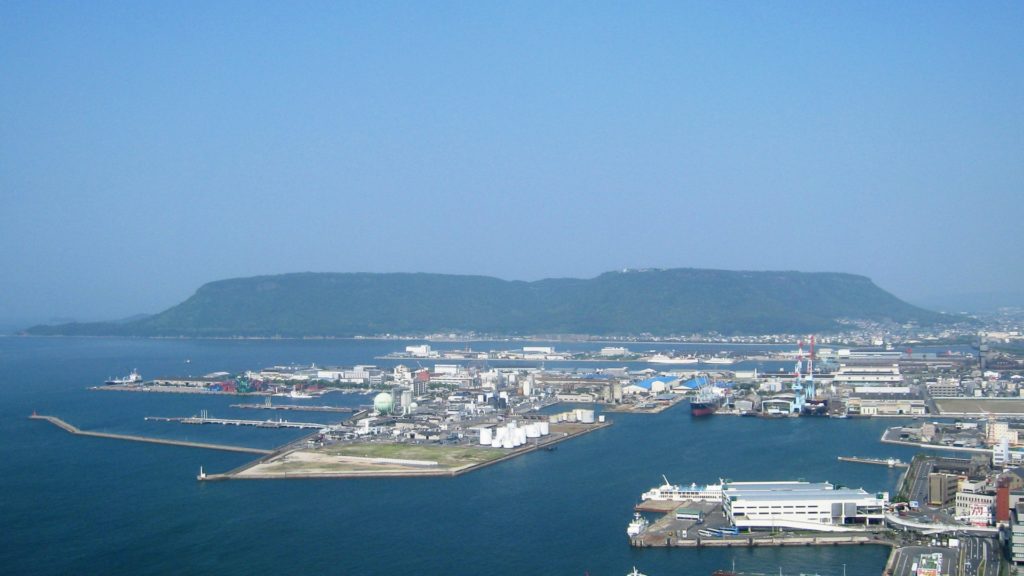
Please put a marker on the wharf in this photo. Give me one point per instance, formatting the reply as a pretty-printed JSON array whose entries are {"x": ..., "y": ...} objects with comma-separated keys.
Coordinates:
[
  {"x": 235, "y": 422},
  {"x": 254, "y": 470},
  {"x": 671, "y": 532},
  {"x": 295, "y": 407},
  {"x": 74, "y": 430},
  {"x": 650, "y": 407},
  {"x": 890, "y": 462}
]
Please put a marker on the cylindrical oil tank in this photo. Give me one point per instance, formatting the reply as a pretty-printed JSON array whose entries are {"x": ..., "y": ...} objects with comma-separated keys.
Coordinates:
[
  {"x": 495, "y": 443},
  {"x": 486, "y": 436},
  {"x": 507, "y": 443},
  {"x": 585, "y": 416},
  {"x": 532, "y": 431},
  {"x": 545, "y": 428}
]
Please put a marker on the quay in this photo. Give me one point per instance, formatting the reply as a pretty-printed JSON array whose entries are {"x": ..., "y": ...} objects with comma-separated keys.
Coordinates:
[
  {"x": 235, "y": 422},
  {"x": 670, "y": 531},
  {"x": 76, "y": 431},
  {"x": 295, "y": 407},
  {"x": 252, "y": 470},
  {"x": 890, "y": 462}
]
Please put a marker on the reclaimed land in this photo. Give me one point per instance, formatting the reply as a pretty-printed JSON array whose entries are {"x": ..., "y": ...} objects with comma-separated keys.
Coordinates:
[
  {"x": 654, "y": 407},
  {"x": 379, "y": 460},
  {"x": 980, "y": 406}
]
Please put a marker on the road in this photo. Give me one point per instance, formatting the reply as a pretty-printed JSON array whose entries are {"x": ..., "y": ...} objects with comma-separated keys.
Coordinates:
[
  {"x": 978, "y": 556},
  {"x": 909, "y": 557}
]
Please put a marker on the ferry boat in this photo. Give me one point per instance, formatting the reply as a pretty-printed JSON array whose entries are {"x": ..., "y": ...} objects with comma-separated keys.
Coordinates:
[
  {"x": 637, "y": 526},
  {"x": 664, "y": 359},
  {"x": 133, "y": 378},
  {"x": 676, "y": 493}
]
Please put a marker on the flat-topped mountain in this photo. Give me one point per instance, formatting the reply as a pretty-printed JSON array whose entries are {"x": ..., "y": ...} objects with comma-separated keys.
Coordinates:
[{"x": 659, "y": 302}]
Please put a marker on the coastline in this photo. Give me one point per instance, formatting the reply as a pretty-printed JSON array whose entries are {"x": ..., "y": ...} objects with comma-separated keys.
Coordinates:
[{"x": 240, "y": 473}]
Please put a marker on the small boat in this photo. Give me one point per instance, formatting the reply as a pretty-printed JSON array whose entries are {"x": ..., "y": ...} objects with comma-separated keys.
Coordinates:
[
  {"x": 637, "y": 526},
  {"x": 133, "y": 378},
  {"x": 635, "y": 572}
]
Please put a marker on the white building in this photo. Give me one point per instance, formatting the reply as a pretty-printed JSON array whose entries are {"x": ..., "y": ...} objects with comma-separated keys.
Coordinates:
[
  {"x": 421, "y": 351},
  {"x": 802, "y": 506},
  {"x": 868, "y": 374}
]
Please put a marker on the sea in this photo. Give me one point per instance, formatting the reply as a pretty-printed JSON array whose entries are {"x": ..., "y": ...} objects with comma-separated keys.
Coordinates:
[{"x": 79, "y": 505}]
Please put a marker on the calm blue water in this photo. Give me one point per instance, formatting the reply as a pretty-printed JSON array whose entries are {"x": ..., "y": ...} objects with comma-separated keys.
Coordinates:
[{"x": 94, "y": 506}]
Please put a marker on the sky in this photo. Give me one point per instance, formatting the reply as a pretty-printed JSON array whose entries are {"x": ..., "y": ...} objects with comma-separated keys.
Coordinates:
[{"x": 147, "y": 148}]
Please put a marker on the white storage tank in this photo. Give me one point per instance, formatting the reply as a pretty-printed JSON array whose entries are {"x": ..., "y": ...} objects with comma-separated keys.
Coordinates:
[
  {"x": 496, "y": 443},
  {"x": 486, "y": 436},
  {"x": 545, "y": 428},
  {"x": 585, "y": 416},
  {"x": 520, "y": 436},
  {"x": 532, "y": 431},
  {"x": 507, "y": 443}
]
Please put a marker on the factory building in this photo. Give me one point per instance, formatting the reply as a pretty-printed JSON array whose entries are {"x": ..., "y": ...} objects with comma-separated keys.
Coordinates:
[
  {"x": 801, "y": 506},
  {"x": 865, "y": 372}
]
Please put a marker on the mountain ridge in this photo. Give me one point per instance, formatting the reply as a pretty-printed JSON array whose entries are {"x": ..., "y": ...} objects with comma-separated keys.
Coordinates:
[{"x": 630, "y": 302}]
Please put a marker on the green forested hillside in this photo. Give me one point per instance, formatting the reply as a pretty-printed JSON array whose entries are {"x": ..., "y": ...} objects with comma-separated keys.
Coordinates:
[{"x": 660, "y": 302}]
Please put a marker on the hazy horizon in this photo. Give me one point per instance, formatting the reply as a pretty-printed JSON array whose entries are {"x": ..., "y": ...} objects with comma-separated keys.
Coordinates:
[{"x": 148, "y": 149}]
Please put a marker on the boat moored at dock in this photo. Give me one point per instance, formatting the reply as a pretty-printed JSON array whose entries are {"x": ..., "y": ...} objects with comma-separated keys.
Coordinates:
[
  {"x": 637, "y": 525},
  {"x": 677, "y": 493}
]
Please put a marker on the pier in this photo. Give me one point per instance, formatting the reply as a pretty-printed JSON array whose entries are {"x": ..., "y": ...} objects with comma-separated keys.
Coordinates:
[
  {"x": 236, "y": 422},
  {"x": 890, "y": 462},
  {"x": 295, "y": 407},
  {"x": 74, "y": 430}
]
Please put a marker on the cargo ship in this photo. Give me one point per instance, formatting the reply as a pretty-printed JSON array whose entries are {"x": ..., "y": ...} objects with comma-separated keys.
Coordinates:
[{"x": 706, "y": 402}]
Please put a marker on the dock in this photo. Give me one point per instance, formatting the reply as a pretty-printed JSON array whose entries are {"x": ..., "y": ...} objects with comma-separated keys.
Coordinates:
[
  {"x": 672, "y": 532},
  {"x": 890, "y": 462},
  {"x": 74, "y": 430},
  {"x": 295, "y": 407},
  {"x": 236, "y": 422}
]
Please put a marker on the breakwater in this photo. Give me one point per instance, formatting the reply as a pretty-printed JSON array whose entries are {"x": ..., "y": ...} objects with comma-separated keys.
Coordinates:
[{"x": 76, "y": 431}]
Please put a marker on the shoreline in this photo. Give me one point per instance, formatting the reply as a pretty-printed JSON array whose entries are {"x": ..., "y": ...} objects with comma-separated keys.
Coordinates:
[{"x": 238, "y": 473}]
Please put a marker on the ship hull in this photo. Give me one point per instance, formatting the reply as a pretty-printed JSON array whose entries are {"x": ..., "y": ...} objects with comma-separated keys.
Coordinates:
[{"x": 702, "y": 409}]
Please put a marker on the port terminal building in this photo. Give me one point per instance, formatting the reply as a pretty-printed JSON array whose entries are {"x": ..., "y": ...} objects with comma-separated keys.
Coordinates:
[{"x": 802, "y": 506}]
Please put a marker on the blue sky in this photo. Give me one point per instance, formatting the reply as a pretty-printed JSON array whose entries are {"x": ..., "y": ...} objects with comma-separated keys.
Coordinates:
[{"x": 148, "y": 148}]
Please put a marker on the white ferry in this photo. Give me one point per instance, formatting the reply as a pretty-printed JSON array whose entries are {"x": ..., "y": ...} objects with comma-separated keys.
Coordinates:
[
  {"x": 676, "y": 493},
  {"x": 637, "y": 526},
  {"x": 664, "y": 359},
  {"x": 133, "y": 378}
]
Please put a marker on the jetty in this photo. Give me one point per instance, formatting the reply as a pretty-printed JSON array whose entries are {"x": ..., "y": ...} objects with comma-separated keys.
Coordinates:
[
  {"x": 78, "y": 432},
  {"x": 236, "y": 422},
  {"x": 890, "y": 462},
  {"x": 295, "y": 407}
]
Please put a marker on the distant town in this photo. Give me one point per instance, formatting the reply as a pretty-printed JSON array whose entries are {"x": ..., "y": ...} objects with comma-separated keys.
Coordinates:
[{"x": 441, "y": 409}]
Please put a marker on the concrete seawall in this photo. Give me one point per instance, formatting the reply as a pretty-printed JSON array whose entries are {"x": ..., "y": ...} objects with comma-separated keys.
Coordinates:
[{"x": 74, "y": 430}]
